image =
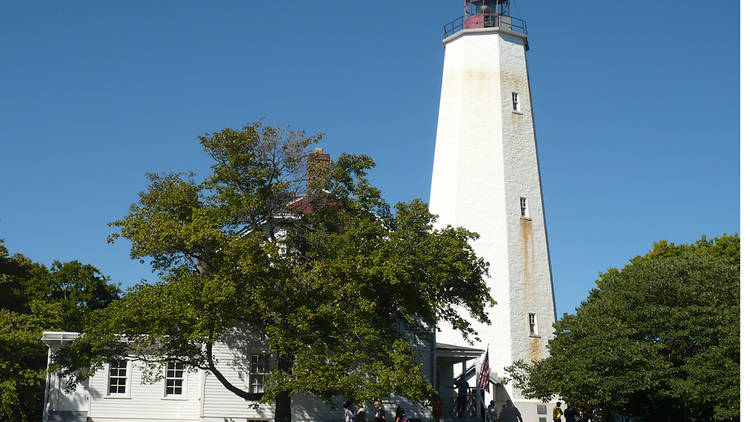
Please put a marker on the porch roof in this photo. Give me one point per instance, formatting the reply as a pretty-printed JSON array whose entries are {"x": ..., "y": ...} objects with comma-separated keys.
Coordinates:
[
  {"x": 58, "y": 338},
  {"x": 456, "y": 353}
]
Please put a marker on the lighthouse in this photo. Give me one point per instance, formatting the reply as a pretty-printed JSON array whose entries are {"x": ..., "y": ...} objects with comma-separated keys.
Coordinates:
[{"x": 486, "y": 178}]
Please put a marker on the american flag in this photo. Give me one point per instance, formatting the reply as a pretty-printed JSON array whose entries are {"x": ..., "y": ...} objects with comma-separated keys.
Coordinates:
[{"x": 484, "y": 376}]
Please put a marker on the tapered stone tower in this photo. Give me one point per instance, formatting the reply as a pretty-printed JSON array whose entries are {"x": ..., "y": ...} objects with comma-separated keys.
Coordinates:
[{"x": 486, "y": 178}]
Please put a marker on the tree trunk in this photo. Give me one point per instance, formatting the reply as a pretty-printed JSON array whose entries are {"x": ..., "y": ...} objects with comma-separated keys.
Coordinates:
[
  {"x": 283, "y": 408},
  {"x": 283, "y": 411}
]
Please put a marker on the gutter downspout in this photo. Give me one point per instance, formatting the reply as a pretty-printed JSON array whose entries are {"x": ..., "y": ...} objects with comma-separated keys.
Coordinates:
[
  {"x": 202, "y": 398},
  {"x": 434, "y": 361},
  {"x": 45, "y": 413}
]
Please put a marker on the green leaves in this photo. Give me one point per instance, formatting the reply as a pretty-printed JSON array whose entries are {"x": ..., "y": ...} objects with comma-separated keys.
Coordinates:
[
  {"x": 36, "y": 299},
  {"x": 657, "y": 339},
  {"x": 325, "y": 273}
]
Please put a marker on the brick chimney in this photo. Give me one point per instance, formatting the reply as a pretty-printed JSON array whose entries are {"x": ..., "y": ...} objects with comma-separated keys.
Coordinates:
[{"x": 317, "y": 166}]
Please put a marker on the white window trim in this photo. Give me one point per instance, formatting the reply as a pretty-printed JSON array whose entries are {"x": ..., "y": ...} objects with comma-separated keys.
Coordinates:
[
  {"x": 128, "y": 378},
  {"x": 259, "y": 353},
  {"x": 183, "y": 394}
]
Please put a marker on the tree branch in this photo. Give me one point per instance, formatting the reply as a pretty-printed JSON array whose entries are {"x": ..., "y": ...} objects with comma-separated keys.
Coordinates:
[{"x": 219, "y": 376}]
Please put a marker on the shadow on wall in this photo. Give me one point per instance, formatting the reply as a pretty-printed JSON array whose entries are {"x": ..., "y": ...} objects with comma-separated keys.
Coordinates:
[{"x": 242, "y": 342}]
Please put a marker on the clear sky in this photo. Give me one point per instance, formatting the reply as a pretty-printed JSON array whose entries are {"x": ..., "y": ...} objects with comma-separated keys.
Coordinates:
[{"x": 636, "y": 107}]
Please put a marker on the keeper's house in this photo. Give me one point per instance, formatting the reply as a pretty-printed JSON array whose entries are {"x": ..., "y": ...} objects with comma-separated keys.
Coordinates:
[{"x": 119, "y": 391}]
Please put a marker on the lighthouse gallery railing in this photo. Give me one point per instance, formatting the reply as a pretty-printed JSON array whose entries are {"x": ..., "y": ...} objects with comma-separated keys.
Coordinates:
[{"x": 494, "y": 21}]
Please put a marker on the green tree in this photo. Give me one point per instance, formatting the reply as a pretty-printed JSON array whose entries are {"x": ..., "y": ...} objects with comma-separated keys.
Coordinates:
[
  {"x": 331, "y": 277},
  {"x": 36, "y": 299},
  {"x": 658, "y": 339}
]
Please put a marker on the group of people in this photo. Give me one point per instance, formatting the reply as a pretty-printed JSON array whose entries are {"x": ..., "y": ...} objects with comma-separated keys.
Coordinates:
[
  {"x": 358, "y": 414},
  {"x": 570, "y": 414},
  {"x": 508, "y": 413}
]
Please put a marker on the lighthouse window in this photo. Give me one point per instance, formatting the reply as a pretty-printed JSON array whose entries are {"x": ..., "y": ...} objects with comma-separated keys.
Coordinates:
[
  {"x": 524, "y": 208},
  {"x": 532, "y": 324},
  {"x": 516, "y": 106}
]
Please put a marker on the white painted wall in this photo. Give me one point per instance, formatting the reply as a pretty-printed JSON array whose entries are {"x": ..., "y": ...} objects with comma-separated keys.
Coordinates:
[
  {"x": 205, "y": 399},
  {"x": 142, "y": 402},
  {"x": 221, "y": 403},
  {"x": 485, "y": 160}
]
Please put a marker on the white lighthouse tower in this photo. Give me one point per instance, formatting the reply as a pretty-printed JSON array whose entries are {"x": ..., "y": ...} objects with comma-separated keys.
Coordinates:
[{"x": 486, "y": 178}]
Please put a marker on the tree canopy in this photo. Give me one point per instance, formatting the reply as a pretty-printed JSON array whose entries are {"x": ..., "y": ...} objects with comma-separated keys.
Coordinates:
[
  {"x": 36, "y": 298},
  {"x": 658, "y": 339},
  {"x": 325, "y": 271}
]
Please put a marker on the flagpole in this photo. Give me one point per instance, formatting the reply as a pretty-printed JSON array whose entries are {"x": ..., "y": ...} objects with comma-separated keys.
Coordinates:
[
  {"x": 478, "y": 389},
  {"x": 482, "y": 373}
]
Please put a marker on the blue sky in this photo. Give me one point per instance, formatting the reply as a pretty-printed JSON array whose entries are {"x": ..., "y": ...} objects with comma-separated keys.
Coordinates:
[{"x": 636, "y": 108}]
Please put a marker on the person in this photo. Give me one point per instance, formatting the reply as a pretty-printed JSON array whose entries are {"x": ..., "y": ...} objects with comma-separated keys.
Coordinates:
[
  {"x": 361, "y": 416},
  {"x": 379, "y": 412},
  {"x": 492, "y": 411},
  {"x": 348, "y": 414},
  {"x": 557, "y": 413},
  {"x": 510, "y": 413},
  {"x": 582, "y": 413},
  {"x": 463, "y": 393},
  {"x": 437, "y": 408},
  {"x": 399, "y": 415},
  {"x": 570, "y": 413}
]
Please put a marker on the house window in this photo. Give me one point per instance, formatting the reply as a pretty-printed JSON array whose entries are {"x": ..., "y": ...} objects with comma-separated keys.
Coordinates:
[
  {"x": 532, "y": 324},
  {"x": 174, "y": 378},
  {"x": 516, "y": 106},
  {"x": 118, "y": 377},
  {"x": 259, "y": 368},
  {"x": 524, "y": 208}
]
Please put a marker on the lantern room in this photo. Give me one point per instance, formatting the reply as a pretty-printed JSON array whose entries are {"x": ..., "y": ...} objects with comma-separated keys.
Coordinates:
[
  {"x": 484, "y": 13},
  {"x": 480, "y": 14}
]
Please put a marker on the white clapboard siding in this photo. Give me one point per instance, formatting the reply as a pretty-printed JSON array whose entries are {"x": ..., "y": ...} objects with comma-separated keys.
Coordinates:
[
  {"x": 311, "y": 408},
  {"x": 221, "y": 403},
  {"x": 204, "y": 398},
  {"x": 144, "y": 401},
  {"x": 61, "y": 400}
]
